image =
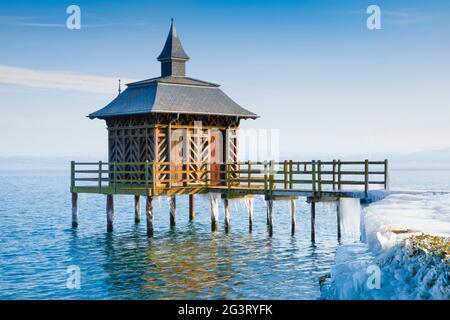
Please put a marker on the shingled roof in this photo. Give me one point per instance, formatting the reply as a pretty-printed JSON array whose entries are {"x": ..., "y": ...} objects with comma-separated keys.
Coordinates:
[{"x": 172, "y": 93}]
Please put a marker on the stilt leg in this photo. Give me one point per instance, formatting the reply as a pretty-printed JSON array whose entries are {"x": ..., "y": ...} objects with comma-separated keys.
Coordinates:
[
  {"x": 74, "y": 210},
  {"x": 109, "y": 212},
  {"x": 149, "y": 215},
  {"x": 293, "y": 217},
  {"x": 173, "y": 210},
  {"x": 250, "y": 214},
  {"x": 226, "y": 204},
  {"x": 313, "y": 221},
  {"x": 214, "y": 213},
  {"x": 338, "y": 216},
  {"x": 270, "y": 216},
  {"x": 137, "y": 209},
  {"x": 191, "y": 208}
]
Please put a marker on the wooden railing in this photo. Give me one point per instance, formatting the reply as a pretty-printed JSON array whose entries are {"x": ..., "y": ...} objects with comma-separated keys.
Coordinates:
[{"x": 297, "y": 176}]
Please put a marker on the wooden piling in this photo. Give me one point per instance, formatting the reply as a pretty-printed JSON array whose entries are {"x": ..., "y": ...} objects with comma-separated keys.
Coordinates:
[
  {"x": 293, "y": 217},
  {"x": 109, "y": 212},
  {"x": 74, "y": 210},
  {"x": 338, "y": 218},
  {"x": 270, "y": 216},
  {"x": 137, "y": 209},
  {"x": 173, "y": 209},
  {"x": 214, "y": 214},
  {"x": 149, "y": 215},
  {"x": 313, "y": 221},
  {"x": 226, "y": 204},
  {"x": 250, "y": 214},
  {"x": 191, "y": 208}
]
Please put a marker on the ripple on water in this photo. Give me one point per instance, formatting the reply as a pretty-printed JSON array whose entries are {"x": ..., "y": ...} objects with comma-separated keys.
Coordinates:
[{"x": 37, "y": 246}]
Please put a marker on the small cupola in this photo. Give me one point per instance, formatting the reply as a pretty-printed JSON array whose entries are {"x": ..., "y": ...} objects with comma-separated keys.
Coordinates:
[{"x": 173, "y": 57}]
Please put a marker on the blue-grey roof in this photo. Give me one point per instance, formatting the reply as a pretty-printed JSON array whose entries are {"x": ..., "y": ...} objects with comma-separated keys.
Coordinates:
[
  {"x": 173, "y": 48},
  {"x": 163, "y": 97}
]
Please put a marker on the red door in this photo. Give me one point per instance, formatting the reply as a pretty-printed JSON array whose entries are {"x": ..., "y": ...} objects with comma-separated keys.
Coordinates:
[{"x": 216, "y": 157}]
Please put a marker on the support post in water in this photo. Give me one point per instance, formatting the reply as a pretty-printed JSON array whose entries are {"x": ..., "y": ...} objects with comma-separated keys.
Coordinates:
[
  {"x": 74, "y": 210},
  {"x": 149, "y": 215},
  {"x": 173, "y": 210},
  {"x": 338, "y": 217},
  {"x": 313, "y": 221},
  {"x": 226, "y": 205},
  {"x": 270, "y": 216},
  {"x": 250, "y": 214},
  {"x": 109, "y": 212},
  {"x": 214, "y": 213},
  {"x": 292, "y": 217},
  {"x": 191, "y": 208},
  {"x": 137, "y": 209}
]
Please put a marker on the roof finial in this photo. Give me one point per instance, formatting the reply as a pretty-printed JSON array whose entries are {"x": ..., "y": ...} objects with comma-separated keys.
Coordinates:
[{"x": 120, "y": 89}]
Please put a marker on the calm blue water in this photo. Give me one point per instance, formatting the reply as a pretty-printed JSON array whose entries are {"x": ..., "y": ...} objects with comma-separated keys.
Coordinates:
[{"x": 37, "y": 246}]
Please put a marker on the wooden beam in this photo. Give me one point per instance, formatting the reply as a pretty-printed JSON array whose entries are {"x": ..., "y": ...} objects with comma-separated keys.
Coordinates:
[
  {"x": 109, "y": 212},
  {"x": 74, "y": 210},
  {"x": 137, "y": 209},
  {"x": 191, "y": 207},
  {"x": 149, "y": 215}
]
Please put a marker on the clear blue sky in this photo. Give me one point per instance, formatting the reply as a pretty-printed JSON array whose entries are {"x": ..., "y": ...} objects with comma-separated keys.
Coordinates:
[{"x": 309, "y": 68}]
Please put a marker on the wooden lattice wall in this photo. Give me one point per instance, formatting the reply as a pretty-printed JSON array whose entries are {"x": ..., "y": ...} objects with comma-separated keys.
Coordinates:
[{"x": 146, "y": 138}]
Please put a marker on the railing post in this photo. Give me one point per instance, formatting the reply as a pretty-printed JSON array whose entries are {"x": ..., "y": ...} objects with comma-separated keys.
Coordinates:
[
  {"x": 72, "y": 175},
  {"x": 319, "y": 175},
  {"x": 154, "y": 176},
  {"x": 115, "y": 176},
  {"x": 272, "y": 175},
  {"x": 339, "y": 174},
  {"x": 146, "y": 173},
  {"x": 334, "y": 174},
  {"x": 100, "y": 165},
  {"x": 285, "y": 174},
  {"x": 291, "y": 175},
  {"x": 366, "y": 177},
  {"x": 265, "y": 178},
  {"x": 249, "y": 168},
  {"x": 313, "y": 177},
  {"x": 386, "y": 174}
]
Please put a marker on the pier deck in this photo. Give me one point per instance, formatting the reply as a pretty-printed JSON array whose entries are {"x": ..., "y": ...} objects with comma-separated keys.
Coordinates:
[{"x": 287, "y": 180}]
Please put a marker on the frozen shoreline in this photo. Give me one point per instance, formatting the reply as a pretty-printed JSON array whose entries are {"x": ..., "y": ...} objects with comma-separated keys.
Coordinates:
[{"x": 403, "y": 253}]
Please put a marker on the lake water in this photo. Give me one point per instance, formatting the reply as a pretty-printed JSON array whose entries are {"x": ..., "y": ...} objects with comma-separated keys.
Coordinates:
[{"x": 37, "y": 245}]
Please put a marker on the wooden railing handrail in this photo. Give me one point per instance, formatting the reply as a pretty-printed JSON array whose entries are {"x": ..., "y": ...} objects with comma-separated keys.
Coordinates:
[{"x": 269, "y": 175}]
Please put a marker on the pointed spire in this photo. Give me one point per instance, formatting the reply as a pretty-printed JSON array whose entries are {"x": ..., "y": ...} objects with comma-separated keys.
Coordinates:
[
  {"x": 173, "y": 57},
  {"x": 173, "y": 48}
]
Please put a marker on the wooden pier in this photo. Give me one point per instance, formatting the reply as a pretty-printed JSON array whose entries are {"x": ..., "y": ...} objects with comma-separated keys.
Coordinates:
[
  {"x": 277, "y": 181},
  {"x": 175, "y": 135}
]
